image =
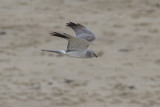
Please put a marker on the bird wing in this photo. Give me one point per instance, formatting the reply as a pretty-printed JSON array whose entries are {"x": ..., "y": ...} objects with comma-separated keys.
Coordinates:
[
  {"x": 81, "y": 31},
  {"x": 74, "y": 43}
]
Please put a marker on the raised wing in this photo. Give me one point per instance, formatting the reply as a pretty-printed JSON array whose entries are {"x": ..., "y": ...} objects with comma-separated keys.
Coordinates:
[
  {"x": 81, "y": 31},
  {"x": 74, "y": 43}
]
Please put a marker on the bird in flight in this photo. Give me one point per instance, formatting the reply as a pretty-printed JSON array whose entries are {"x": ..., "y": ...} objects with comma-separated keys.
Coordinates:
[{"x": 77, "y": 46}]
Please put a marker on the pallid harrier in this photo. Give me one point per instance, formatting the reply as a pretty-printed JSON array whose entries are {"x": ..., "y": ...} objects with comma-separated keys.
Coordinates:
[{"x": 77, "y": 46}]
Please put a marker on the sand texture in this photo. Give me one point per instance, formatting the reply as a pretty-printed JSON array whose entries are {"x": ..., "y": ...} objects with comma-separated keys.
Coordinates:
[{"x": 126, "y": 73}]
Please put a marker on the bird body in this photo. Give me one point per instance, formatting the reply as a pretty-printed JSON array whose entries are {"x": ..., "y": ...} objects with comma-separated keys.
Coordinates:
[{"x": 77, "y": 46}]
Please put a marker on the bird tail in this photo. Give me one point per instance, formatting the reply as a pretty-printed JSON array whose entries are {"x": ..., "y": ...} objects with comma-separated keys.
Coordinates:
[{"x": 55, "y": 51}]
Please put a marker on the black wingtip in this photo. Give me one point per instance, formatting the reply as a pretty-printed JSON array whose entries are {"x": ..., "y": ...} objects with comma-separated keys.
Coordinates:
[
  {"x": 71, "y": 24},
  {"x": 58, "y": 35},
  {"x": 53, "y": 33}
]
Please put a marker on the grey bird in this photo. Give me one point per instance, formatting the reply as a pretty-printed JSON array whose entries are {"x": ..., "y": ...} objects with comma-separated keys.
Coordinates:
[{"x": 77, "y": 46}]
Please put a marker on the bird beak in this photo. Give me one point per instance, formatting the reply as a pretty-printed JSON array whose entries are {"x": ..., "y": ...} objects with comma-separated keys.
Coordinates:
[{"x": 95, "y": 55}]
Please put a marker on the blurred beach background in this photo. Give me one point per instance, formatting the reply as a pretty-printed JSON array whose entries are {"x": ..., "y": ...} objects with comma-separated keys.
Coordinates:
[{"x": 126, "y": 73}]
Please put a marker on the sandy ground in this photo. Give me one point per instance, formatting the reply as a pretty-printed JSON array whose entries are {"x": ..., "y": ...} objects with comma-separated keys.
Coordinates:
[{"x": 126, "y": 73}]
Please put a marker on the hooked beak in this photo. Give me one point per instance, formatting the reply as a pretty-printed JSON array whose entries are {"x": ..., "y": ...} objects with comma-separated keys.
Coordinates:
[{"x": 95, "y": 55}]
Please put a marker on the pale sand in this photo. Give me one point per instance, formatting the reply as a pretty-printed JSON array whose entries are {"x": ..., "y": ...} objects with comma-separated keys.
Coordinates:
[{"x": 127, "y": 73}]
